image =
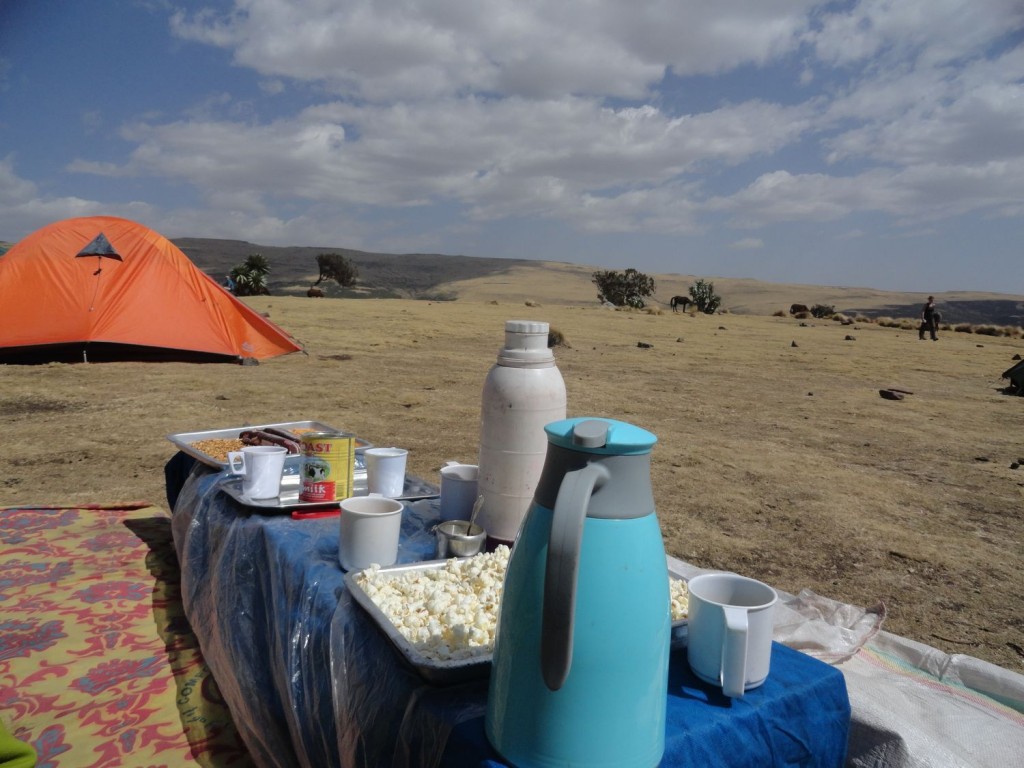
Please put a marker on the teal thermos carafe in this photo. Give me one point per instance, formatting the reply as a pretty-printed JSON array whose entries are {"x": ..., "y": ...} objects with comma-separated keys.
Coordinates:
[{"x": 580, "y": 667}]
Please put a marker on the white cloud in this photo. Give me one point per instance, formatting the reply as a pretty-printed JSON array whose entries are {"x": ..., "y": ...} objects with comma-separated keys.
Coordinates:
[
  {"x": 499, "y": 107},
  {"x": 969, "y": 115},
  {"x": 748, "y": 244},
  {"x": 23, "y": 210},
  {"x": 13, "y": 190},
  {"x": 388, "y": 49},
  {"x": 933, "y": 31},
  {"x": 913, "y": 195},
  {"x": 573, "y": 159}
]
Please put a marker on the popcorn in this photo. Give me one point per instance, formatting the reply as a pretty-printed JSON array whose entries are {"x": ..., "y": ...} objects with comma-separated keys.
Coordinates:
[
  {"x": 451, "y": 613},
  {"x": 448, "y": 613},
  {"x": 679, "y": 599}
]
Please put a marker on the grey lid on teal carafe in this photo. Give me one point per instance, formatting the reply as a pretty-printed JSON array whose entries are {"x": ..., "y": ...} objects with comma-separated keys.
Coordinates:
[
  {"x": 584, "y": 434},
  {"x": 623, "y": 449}
]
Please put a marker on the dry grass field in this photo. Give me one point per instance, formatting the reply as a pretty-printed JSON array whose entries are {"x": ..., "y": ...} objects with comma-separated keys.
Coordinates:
[{"x": 776, "y": 460}]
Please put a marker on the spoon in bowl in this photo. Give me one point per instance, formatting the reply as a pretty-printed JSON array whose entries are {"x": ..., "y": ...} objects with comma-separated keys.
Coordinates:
[{"x": 472, "y": 517}]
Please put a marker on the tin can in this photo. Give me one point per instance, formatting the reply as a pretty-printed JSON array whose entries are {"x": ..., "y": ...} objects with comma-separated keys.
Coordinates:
[{"x": 327, "y": 466}]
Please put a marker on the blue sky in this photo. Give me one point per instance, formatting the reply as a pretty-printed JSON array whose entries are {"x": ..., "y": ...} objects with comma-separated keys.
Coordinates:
[{"x": 862, "y": 143}]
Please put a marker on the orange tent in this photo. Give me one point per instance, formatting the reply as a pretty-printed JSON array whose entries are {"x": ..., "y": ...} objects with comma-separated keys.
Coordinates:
[{"x": 103, "y": 288}]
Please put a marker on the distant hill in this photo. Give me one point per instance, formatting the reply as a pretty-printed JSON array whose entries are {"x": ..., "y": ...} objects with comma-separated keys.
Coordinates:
[
  {"x": 443, "y": 277},
  {"x": 293, "y": 269},
  {"x": 973, "y": 311}
]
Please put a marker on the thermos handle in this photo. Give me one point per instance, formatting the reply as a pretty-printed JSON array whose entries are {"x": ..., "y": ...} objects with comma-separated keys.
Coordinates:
[{"x": 563, "y": 570}]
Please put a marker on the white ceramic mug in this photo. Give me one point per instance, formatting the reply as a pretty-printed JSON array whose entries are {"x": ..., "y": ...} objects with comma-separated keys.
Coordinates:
[
  {"x": 729, "y": 640},
  {"x": 261, "y": 467},
  {"x": 458, "y": 490},
  {"x": 370, "y": 529},
  {"x": 385, "y": 470}
]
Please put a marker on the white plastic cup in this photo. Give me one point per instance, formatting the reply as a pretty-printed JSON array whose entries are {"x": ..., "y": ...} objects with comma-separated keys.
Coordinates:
[
  {"x": 729, "y": 641},
  {"x": 370, "y": 528},
  {"x": 385, "y": 471},
  {"x": 261, "y": 467},
  {"x": 458, "y": 490}
]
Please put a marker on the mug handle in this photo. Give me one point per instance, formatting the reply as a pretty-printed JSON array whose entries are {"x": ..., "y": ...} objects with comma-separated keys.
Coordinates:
[
  {"x": 233, "y": 457},
  {"x": 734, "y": 652}
]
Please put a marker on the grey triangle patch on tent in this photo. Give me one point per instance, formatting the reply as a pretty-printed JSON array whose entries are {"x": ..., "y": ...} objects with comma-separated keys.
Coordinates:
[{"x": 99, "y": 246}]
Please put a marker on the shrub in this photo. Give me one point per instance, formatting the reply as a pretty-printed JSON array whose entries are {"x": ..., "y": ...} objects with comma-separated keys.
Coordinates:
[
  {"x": 823, "y": 310},
  {"x": 839, "y": 317},
  {"x": 988, "y": 330},
  {"x": 802, "y": 315},
  {"x": 251, "y": 277},
  {"x": 556, "y": 338},
  {"x": 623, "y": 289},
  {"x": 704, "y": 297},
  {"x": 779, "y": 313},
  {"x": 963, "y": 328}
]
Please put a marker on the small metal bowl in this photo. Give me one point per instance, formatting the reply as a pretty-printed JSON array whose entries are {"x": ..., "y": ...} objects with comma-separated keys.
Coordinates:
[{"x": 458, "y": 538}]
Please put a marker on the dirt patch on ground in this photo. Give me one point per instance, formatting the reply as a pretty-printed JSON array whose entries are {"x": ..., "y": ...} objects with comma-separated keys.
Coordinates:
[{"x": 776, "y": 461}]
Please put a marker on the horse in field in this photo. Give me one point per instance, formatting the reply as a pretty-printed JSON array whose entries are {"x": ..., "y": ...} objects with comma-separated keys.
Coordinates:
[{"x": 680, "y": 301}]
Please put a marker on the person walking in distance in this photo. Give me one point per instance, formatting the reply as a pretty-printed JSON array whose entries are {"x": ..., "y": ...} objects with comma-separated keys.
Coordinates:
[{"x": 929, "y": 320}]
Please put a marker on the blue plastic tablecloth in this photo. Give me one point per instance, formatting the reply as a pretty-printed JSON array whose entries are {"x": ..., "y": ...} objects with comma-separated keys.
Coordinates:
[{"x": 312, "y": 681}]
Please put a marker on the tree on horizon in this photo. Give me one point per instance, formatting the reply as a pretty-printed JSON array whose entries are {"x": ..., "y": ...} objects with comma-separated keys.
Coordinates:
[
  {"x": 334, "y": 266},
  {"x": 623, "y": 289}
]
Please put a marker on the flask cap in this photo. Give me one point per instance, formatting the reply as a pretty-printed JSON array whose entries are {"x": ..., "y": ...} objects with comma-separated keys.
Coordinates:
[{"x": 526, "y": 345}]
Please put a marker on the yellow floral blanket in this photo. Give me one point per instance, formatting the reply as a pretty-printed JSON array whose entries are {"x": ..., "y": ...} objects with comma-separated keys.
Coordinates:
[{"x": 98, "y": 664}]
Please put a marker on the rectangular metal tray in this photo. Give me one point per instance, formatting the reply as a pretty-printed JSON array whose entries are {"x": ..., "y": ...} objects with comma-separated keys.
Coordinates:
[
  {"x": 450, "y": 672},
  {"x": 291, "y": 483},
  {"x": 184, "y": 440}
]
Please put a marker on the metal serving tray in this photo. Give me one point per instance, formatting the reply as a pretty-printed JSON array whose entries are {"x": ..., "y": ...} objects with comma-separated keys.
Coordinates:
[
  {"x": 185, "y": 440},
  {"x": 291, "y": 484},
  {"x": 450, "y": 672}
]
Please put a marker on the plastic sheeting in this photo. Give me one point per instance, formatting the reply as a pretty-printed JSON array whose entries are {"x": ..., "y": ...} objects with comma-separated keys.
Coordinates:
[
  {"x": 311, "y": 681},
  {"x": 265, "y": 625},
  {"x": 913, "y": 705}
]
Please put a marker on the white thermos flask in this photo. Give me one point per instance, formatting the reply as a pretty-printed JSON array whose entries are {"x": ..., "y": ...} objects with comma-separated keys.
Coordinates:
[{"x": 523, "y": 392}]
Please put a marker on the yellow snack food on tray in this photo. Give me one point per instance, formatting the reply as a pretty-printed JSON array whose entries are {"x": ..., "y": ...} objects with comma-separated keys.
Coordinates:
[{"x": 451, "y": 613}]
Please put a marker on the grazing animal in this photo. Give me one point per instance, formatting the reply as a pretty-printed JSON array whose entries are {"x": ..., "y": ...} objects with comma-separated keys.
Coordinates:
[
  {"x": 315, "y": 293},
  {"x": 678, "y": 301},
  {"x": 796, "y": 308}
]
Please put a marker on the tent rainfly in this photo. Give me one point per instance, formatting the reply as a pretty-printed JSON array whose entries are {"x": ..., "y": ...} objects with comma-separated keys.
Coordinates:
[{"x": 102, "y": 288}]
